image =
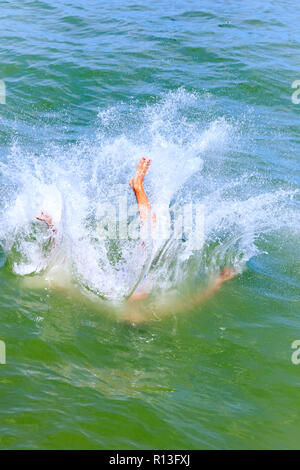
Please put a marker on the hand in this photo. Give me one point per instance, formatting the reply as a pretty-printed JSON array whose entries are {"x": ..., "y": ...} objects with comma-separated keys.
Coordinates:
[
  {"x": 45, "y": 218},
  {"x": 227, "y": 274}
]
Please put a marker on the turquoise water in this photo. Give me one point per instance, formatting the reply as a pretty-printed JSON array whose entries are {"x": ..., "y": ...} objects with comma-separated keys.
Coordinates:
[{"x": 205, "y": 90}]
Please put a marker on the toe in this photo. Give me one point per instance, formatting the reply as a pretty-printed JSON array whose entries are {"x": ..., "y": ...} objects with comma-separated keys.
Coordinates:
[
  {"x": 146, "y": 166},
  {"x": 140, "y": 165}
]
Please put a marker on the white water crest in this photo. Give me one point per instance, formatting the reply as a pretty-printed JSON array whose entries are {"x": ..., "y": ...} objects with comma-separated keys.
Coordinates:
[{"x": 194, "y": 160}]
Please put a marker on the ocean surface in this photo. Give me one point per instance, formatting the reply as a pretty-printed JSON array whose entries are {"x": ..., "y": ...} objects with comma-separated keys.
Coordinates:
[{"x": 205, "y": 90}]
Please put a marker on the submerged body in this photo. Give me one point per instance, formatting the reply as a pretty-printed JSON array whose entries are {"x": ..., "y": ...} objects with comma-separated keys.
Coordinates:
[{"x": 137, "y": 307}]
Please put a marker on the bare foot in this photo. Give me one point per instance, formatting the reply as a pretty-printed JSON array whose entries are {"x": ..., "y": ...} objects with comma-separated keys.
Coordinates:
[{"x": 136, "y": 182}]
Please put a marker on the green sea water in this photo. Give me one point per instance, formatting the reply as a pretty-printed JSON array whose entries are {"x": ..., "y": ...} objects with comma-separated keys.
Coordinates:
[{"x": 205, "y": 90}]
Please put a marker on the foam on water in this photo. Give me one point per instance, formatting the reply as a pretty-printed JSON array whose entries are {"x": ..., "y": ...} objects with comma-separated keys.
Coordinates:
[{"x": 193, "y": 151}]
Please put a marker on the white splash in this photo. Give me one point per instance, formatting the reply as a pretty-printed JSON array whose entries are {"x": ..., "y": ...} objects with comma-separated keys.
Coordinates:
[{"x": 191, "y": 155}]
